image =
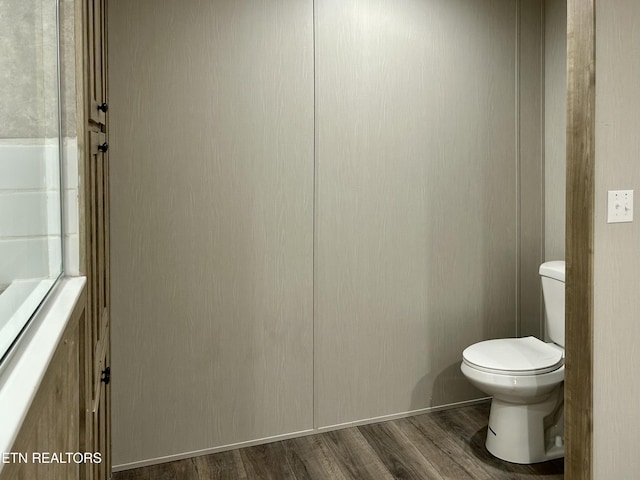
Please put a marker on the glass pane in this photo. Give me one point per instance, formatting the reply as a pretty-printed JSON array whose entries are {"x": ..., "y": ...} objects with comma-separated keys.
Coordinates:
[{"x": 30, "y": 225}]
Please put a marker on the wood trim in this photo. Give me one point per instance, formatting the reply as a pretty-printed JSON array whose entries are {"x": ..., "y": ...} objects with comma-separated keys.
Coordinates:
[
  {"x": 95, "y": 419},
  {"x": 579, "y": 239}
]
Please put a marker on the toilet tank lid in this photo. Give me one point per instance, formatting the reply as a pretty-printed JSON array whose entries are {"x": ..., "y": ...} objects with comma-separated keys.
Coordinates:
[{"x": 554, "y": 269}]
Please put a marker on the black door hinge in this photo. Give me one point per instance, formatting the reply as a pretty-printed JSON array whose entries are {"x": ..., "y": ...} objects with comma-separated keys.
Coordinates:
[{"x": 106, "y": 376}]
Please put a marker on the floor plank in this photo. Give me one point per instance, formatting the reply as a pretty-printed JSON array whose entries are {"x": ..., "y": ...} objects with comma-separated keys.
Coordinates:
[
  {"x": 444, "y": 445},
  {"x": 355, "y": 457},
  {"x": 221, "y": 466},
  {"x": 267, "y": 462},
  {"x": 455, "y": 442},
  {"x": 133, "y": 474},
  {"x": 400, "y": 456},
  {"x": 178, "y": 470},
  {"x": 442, "y": 452},
  {"x": 310, "y": 458}
]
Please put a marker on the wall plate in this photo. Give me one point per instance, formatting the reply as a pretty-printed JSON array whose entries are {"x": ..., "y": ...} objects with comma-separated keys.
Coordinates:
[{"x": 620, "y": 206}]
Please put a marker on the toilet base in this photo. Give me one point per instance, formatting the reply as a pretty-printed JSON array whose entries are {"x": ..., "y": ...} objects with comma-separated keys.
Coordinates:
[{"x": 527, "y": 433}]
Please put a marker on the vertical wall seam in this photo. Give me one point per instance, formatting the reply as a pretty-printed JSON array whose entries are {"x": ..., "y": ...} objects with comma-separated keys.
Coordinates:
[
  {"x": 314, "y": 220},
  {"x": 543, "y": 135},
  {"x": 517, "y": 166}
]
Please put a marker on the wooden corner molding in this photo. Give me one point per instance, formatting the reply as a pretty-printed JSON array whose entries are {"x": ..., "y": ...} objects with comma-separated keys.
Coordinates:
[{"x": 579, "y": 239}]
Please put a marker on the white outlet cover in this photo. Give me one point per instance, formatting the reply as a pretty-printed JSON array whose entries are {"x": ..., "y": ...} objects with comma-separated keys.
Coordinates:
[{"x": 620, "y": 206}]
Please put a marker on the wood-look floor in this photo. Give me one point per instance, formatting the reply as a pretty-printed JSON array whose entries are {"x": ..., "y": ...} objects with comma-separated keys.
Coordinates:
[{"x": 441, "y": 445}]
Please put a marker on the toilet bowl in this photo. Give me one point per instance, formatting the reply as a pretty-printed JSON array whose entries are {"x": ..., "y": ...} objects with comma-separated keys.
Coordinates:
[{"x": 525, "y": 378}]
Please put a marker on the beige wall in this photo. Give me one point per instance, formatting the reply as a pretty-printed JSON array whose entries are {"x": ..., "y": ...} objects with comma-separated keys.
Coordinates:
[
  {"x": 616, "y": 246},
  {"x": 212, "y": 223},
  {"x": 413, "y": 215},
  {"x": 417, "y": 197},
  {"x": 555, "y": 114},
  {"x": 530, "y": 166}
]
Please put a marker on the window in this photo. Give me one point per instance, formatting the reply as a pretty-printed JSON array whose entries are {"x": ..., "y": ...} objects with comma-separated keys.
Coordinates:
[{"x": 30, "y": 179}]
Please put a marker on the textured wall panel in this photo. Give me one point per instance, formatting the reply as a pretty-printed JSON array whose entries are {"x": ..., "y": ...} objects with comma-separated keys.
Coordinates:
[
  {"x": 416, "y": 199},
  {"x": 531, "y": 169},
  {"x": 616, "y": 394},
  {"x": 212, "y": 224},
  {"x": 555, "y": 133}
]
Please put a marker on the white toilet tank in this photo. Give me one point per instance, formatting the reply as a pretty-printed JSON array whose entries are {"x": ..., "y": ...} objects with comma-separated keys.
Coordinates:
[{"x": 552, "y": 276}]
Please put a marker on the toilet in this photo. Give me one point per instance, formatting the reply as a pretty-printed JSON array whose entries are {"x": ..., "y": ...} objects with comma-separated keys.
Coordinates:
[{"x": 525, "y": 378}]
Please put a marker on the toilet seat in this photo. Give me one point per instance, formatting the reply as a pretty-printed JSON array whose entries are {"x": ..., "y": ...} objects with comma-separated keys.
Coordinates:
[{"x": 514, "y": 356}]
